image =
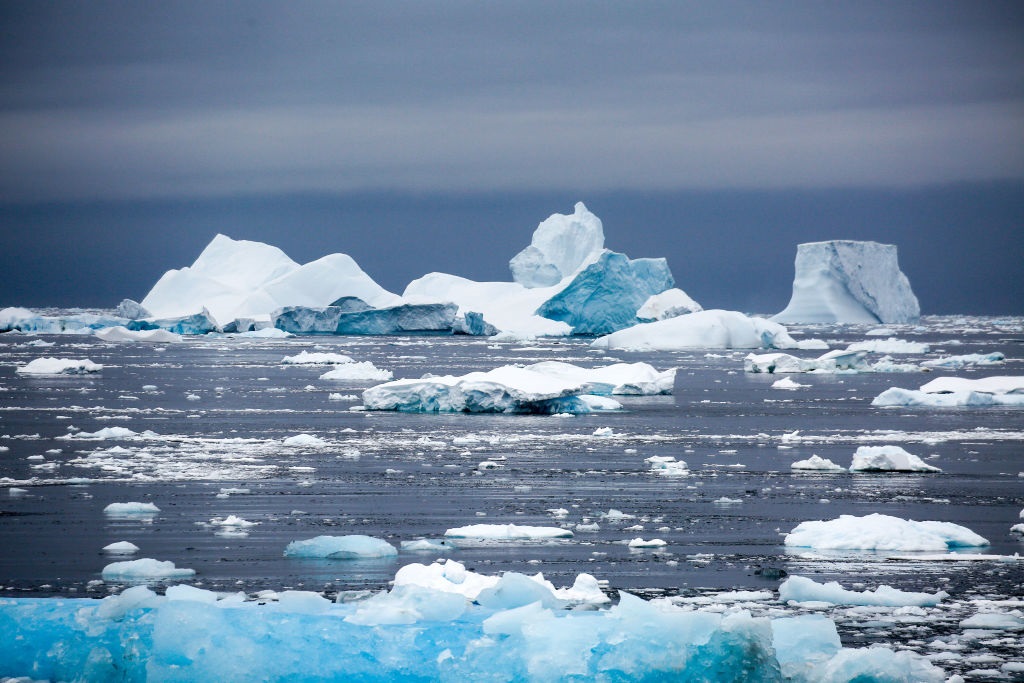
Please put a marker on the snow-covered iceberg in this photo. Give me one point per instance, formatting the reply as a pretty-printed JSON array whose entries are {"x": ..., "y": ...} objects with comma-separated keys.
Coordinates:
[
  {"x": 844, "y": 281},
  {"x": 668, "y": 304},
  {"x": 561, "y": 245},
  {"x": 507, "y": 389},
  {"x": 242, "y": 279},
  {"x": 888, "y": 459},
  {"x": 507, "y": 532},
  {"x": 882, "y": 532},
  {"x": 123, "y": 334},
  {"x": 713, "y": 329},
  {"x": 816, "y": 463}
]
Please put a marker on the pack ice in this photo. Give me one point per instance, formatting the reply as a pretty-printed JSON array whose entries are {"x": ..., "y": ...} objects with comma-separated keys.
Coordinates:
[
  {"x": 844, "y": 281},
  {"x": 437, "y": 623}
]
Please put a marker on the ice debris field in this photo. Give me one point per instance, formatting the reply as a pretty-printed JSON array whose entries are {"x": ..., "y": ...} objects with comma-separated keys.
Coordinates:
[{"x": 269, "y": 470}]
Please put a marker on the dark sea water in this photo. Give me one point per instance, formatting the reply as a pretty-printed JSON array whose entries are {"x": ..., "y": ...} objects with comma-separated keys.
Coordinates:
[{"x": 220, "y": 408}]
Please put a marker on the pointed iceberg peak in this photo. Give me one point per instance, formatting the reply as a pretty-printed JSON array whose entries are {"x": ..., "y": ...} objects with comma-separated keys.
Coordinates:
[
  {"x": 561, "y": 246},
  {"x": 844, "y": 281}
]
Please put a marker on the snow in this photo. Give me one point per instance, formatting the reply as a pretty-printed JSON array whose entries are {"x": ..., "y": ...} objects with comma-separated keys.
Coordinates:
[
  {"x": 561, "y": 246},
  {"x": 888, "y": 459},
  {"x": 817, "y": 463},
  {"x": 123, "y": 334},
  {"x": 144, "y": 569},
  {"x": 362, "y": 371},
  {"x": 507, "y": 532},
  {"x": 803, "y": 589},
  {"x": 124, "y": 509},
  {"x": 304, "y": 441},
  {"x": 881, "y": 532},
  {"x": 314, "y": 358},
  {"x": 508, "y": 389},
  {"x": 843, "y": 281},
  {"x": 59, "y": 366},
  {"x": 671, "y": 303},
  {"x": 713, "y": 329},
  {"x": 353, "y": 547},
  {"x": 242, "y": 279}
]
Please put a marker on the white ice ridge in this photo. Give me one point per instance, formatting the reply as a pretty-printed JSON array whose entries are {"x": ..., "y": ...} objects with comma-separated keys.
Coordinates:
[
  {"x": 844, "y": 281},
  {"x": 548, "y": 388},
  {"x": 882, "y": 532},
  {"x": 440, "y": 623},
  {"x": 713, "y": 329},
  {"x": 241, "y": 279},
  {"x": 957, "y": 391},
  {"x": 561, "y": 246}
]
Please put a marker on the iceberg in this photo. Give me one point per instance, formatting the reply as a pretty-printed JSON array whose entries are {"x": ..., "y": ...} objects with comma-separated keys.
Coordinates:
[
  {"x": 131, "y": 310},
  {"x": 235, "y": 279},
  {"x": 712, "y": 329},
  {"x": 954, "y": 392},
  {"x": 507, "y": 532},
  {"x": 316, "y": 358},
  {"x": 123, "y": 334},
  {"x": 966, "y": 360},
  {"x": 844, "y": 281},
  {"x": 561, "y": 245},
  {"x": 997, "y": 385},
  {"x": 668, "y": 304},
  {"x": 618, "y": 379},
  {"x": 124, "y": 509},
  {"x": 402, "y": 319},
  {"x": 363, "y": 371},
  {"x": 542, "y": 388},
  {"x": 196, "y": 323},
  {"x": 144, "y": 569},
  {"x": 668, "y": 466},
  {"x": 816, "y": 463},
  {"x": 58, "y": 366},
  {"x": 606, "y": 295},
  {"x": 882, "y": 532},
  {"x": 802, "y": 589},
  {"x": 24, "y": 320},
  {"x": 353, "y": 547},
  {"x": 888, "y": 459}
]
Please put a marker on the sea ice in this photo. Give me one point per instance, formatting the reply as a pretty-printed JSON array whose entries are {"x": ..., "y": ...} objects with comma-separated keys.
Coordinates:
[
  {"x": 353, "y": 547},
  {"x": 195, "y": 324},
  {"x": 844, "y": 281},
  {"x": 888, "y": 459},
  {"x": 59, "y": 366},
  {"x": 123, "y": 334},
  {"x": 881, "y": 532},
  {"x": 803, "y": 589},
  {"x": 985, "y": 385},
  {"x": 507, "y": 532},
  {"x": 713, "y": 329},
  {"x": 144, "y": 569},
  {"x": 817, "y": 463}
]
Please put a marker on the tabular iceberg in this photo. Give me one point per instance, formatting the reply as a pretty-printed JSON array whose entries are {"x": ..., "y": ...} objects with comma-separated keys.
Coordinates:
[{"x": 843, "y": 281}]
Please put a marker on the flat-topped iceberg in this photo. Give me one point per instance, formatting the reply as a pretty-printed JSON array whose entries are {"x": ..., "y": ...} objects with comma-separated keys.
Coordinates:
[
  {"x": 242, "y": 279},
  {"x": 844, "y": 281},
  {"x": 507, "y": 532},
  {"x": 713, "y": 329},
  {"x": 888, "y": 459},
  {"x": 545, "y": 388},
  {"x": 882, "y": 532},
  {"x": 351, "y": 547}
]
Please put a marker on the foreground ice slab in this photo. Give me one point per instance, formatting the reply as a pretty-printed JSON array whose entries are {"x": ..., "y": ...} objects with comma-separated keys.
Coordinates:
[
  {"x": 541, "y": 388},
  {"x": 713, "y": 329},
  {"x": 844, "y": 281},
  {"x": 882, "y": 532},
  {"x": 437, "y": 625}
]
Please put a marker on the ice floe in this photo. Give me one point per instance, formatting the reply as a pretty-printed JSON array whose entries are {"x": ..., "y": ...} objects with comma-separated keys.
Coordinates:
[
  {"x": 965, "y": 361},
  {"x": 360, "y": 371},
  {"x": 351, "y": 547},
  {"x": 507, "y": 532},
  {"x": 123, "y": 334},
  {"x": 816, "y": 463},
  {"x": 712, "y": 329},
  {"x": 133, "y": 508},
  {"x": 121, "y": 548},
  {"x": 888, "y": 459},
  {"x": 144, "y": 569},
  {"x": 803, "y": 589},
  {"x": 59, "y": 366},
  {"x": 949, "y": 392},
  {"x": 882, "y": 532}
]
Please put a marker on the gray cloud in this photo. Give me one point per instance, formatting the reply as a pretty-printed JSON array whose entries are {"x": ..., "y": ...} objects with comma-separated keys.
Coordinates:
[{"x": 130, "y": 100}]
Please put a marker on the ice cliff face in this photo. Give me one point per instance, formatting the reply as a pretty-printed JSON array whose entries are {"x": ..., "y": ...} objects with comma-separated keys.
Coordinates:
[
  {"x": 844, "y": 281},
  {"x": 561, "y": 245}
]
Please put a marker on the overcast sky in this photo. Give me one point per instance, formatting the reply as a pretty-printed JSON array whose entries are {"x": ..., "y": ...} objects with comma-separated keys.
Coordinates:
[{"x": 188, "y": 102}]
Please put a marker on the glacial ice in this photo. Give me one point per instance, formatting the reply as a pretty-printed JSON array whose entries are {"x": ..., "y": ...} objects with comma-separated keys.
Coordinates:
[
  {"x": 242, "y": 279},
  {"x": 803, "y": 589},
  {"x": 59, "y": 366},
  {"x": 304, "y": 441},
  {"x": 561, "y": 245},
  {"x": 888, "y": 459},
  {"x": 965, "y": 360},
  {"x": 668, "y": 466},
  {"x": 881, "y": 532},
  {"x": 316, "y": 358},
  {"x": 451, "y": 627},
  {"x": 123, "y": 334},
  {"x": 545, "y": 388},
  {"x": 351, "y": 547},
  {"x": 507, "y": 532},
  {"x": 195, "y": 323},
  {"x": 890, "y": 345},
  {"x": 121, "y": 548},
  {"x": 131, "y": 310},
  {"x": 843, "y": 281},
  {"x": 671, "y": 303},
  {"x": 712, "y": 329}
]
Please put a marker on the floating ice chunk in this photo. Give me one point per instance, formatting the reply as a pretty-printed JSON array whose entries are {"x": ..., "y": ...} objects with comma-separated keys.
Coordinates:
[
  {"x": 507, "y": 532},
  {"x": 787, "y": 383},
  {"x": 616, "y": 515},
  {"x": 124, "y": 509},
  {"x": 232, "y": 521},
  {"x": 101, "y": 434},
  {"x": 427, "y": 545},
  {"x": 144, "y": 569},
  {"x": 888, "y": 459},
  {"x": 445, "y": 576},
  {"x": 967, "y": 360},
  {"x": 353, "y": 547},
  {"x": 121, "y": 548},
  {"x": 668, "y": 304},
  {"x": 713, "y": 329},
  {"x": 265, "y": 333},
  {"x": 802, "y": 589},
  {"x": 987, "y": 385},
  {"x": 725, "y": 500},
  {"x": 843, "y": 281},
  {"x": 897, "y": 397},
  {"x": 1017, "y": 529},
  {"x": 881, "y": 532},
  {"x": 305, "y": 441},
  {"x": 637, "y": 379},
  {"x": 817, "y": 463},
  {"x": 652, "y": 543},
  {"x": 362, "y": 371},
  {"x": 890, "y": 345},
  {"x": 994, "y": 621},
  {"x": 59, "y": 366},
  {"x": 123, "y": 334},
  {"x": 11, "y": 316},
  {"x": 561, "y": 245},
  {"x": 313, "y": 358},
  {"x": 668, "y": 466}
]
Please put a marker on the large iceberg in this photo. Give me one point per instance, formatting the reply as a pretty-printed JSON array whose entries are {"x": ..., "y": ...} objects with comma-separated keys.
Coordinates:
[
  {"x": 561, "y": 245},
  {"x": 241, "y": 279},
  {"x": 844, "y": 281},
  {"x": 882, "y": 532},
  {"x": 714, "y": 329}
]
